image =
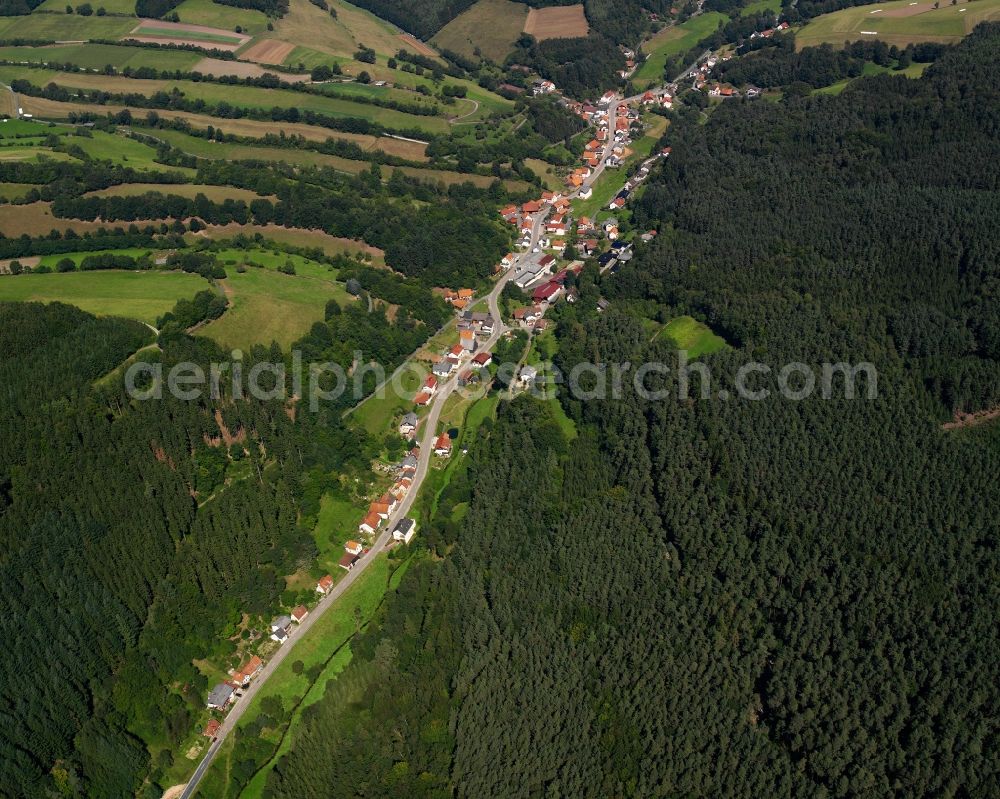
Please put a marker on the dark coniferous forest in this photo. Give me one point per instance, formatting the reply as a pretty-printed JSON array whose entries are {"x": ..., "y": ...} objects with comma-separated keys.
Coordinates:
[{"x": 730, "y": 598}]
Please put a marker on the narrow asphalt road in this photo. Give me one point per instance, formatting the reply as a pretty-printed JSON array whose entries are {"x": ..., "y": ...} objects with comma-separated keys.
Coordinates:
[{"x": 426, "y": 442}]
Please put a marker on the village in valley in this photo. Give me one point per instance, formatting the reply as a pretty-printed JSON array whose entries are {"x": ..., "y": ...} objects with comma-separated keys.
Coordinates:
[{"x": 554, "y": 234}]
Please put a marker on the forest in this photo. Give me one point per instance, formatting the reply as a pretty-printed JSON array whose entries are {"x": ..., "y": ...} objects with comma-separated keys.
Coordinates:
[{"x": 728, "y": 598}]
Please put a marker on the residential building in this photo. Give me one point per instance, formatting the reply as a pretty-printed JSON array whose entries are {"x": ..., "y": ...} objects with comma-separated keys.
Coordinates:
[
  {"x": 220, "y": 696},
  {"x": 354, "y": 547},
  {"x": 325, "y": 584},
  {"x": 527, "y": 375},
  {"x": 370, "y": 523},
  {"x": 347, "y": 561},
  {"x": 212, "y": 728},
  {"x": 442, "y": 447},
  {"x": 408, "y": 425},
  {"x": 247, "y": 671},
  {"x": 404, "y": 530},
  {"x": 299, "y": 613},
  {"x": 442, "y": 368},
  {"x": 482, "y": 360}
]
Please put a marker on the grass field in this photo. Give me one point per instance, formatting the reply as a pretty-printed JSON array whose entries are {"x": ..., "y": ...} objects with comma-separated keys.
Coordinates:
[
  {"x": 97, "y": 56},
  {"x": 36, "y": 220},
  {"x": 914, "y": 70},
  {"x": 215, "y": 15},
  {"x": 492, "y": 26},
  {"x": 671, "y": 41},
  {"x": 136, "y": 295},
  {"x": 899, "y": 23},
  {"x": 242, "y": 96},
  {"x": 759, "y": 6},
  {"x": 214, "y": 193},
  {"x": 76, "y": 257},
  {"x": 268, "y": 306},
  {"x": 124, "y": 7},
  {"x": 413, "y": 151},
  {"x": 694, "y": 336},
  {"x": 376, "y": 414},
  {"x": 11, "y": 191},
  {"x": 205, "y": 148},
  {"x": 556, "y": 22},
  {"x": 64, "y": 27}
]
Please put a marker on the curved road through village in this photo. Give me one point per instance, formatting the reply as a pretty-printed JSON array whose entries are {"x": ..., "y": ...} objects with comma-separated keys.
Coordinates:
[{"x": 426, "y": 444}]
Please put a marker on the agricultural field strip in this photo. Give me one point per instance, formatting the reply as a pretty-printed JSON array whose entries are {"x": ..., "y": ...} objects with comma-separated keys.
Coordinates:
[{"x": 240, "y": 96}]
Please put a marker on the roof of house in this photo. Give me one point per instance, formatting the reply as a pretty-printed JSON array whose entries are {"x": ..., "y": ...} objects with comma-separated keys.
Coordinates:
[
  {"x": 281, "y": 622},
  {"x": 422, "y": 398},
  {"x": 211, "y": 728},
  {"x": 456, "y": 350},
  {"x": 546, "y": 290},
  {"x": 403, "y": 526},
  {"x": 247, "y": 670},
  {"x": 443, "y": 442},
  {"x": 482, "y": 358},
  {"x": 348, "y": 560},
  {"x": 326, "y": 582},
  {"x": 372, "y": 520},
  {"x": 299, "y": 612},
  {"x": 220, "y": 694},
  {"x": 410, "y": 418},
  {"x": 465, "y": 293}
]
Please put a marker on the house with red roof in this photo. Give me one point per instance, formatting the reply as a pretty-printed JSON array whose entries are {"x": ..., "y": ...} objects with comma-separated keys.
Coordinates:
[
  {"x": 442, "y": 447},
  {"x": 483, "y": 359},
  {"x": 247, "y": 671},
  {"x": 325, "y": 584},
  {"x": 299, "y": 613},
  {"x": 370, "y": 523},
  {"x": 547, "y": 292}
]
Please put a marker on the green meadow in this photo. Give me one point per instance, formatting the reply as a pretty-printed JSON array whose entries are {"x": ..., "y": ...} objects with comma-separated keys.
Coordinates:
[{"x": 144, "y": 296}]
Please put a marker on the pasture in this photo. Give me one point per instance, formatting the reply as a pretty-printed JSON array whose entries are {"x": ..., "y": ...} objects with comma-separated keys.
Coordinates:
[
  {"x": 251, "y": 128},
  {"x": 671, "y": 41},
  {"x": 216, "y": 15},
  {"x": 12, "y": 191},
  {"x": 97, "y": 56},
  {"x": 900, "y": 23},
  {"x": 693, "y": 336},
  {"x": 214, "y": 193},
  {"x": 491, "y": 26},
  {"x": 35, "y": 219},
  {"x": 64, "y": 27},
  {"x": 267, "y": 306},
  {"x": 556, "y": 22},
  {"x": 144, "y": 296},
  {"x": 122, "y": 7},
  {"x": 298, "y": 237},
  {"x": 240, "y": 96}
]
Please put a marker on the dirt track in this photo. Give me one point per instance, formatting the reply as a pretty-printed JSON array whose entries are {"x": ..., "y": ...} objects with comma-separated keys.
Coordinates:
[{"x": 419, "y": 47}]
